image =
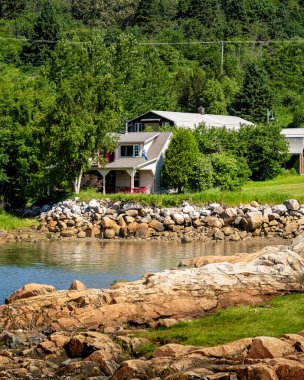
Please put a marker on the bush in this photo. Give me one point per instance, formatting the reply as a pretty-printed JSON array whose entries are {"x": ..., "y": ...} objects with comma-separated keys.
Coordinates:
[
  {"x": 202, "y": 177},
  {"x": 230, "y": 173},
  {"x": 181, "y": 156}
]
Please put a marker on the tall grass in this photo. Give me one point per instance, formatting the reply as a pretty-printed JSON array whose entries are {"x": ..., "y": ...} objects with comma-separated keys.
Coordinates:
[
  {"x": 11, "y": 222},
  {"x": 267, "y": 192},
  {"x": 236, "y": 323}
]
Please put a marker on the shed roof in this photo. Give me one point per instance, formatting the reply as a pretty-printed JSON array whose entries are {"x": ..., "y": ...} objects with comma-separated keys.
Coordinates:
[
  {"x": 191, "y": 120},
  {"x": 293, "y": 132}
]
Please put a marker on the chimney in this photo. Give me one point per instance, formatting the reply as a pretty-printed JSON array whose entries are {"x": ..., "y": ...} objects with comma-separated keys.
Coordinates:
[
  {"x": 126, "y": 126},
  {"x": 201, "y": 110}
]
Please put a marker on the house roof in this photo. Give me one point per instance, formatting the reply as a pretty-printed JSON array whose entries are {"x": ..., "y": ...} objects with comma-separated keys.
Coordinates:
[
  {"x": 293, "y": 132},
  {"x": 295, "y": 139},
  {"x": 137, "y": 137},
  {"x": 191, "y": 120},
  {"x": 155, "y": 150}
]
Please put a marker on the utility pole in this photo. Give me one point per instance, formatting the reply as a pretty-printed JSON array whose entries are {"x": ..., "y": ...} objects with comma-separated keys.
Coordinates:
[{"x": 222, "y": 57}]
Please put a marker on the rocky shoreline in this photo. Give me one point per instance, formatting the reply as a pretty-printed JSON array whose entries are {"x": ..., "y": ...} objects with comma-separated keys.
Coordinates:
[
  {"x": 85, "y": 333},
  {"x": 114, "y": 220}
]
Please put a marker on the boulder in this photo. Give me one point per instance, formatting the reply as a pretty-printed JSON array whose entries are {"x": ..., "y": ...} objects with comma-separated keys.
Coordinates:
[
  {"x": 291, "y": 227},
  {"x": 279, "y": 209},
  {"x": 254, "y": 220},
  {"x": 30, "y": 290},
  {"x": 292, "y": 204},
  {"x": 68, "y": 232},
  {"x": 178, "y": 218},
  {"x": 107, "y": 222},
  {"x": 157, "y": 226},
  {"x": 267, "y": 347},
  {"x": 77, "y": 285},
  {"x": 109, "y": 234},
  {"x": 229, "y": 215}
]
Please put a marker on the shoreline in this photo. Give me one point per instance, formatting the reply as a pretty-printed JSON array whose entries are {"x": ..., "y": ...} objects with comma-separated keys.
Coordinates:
[{"x": 90, "y": 332}]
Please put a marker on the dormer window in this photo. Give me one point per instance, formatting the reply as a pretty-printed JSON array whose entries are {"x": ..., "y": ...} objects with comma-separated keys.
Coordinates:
[
  {"x": 137, "y": 127},
  {"x": 129, "y": 150}
]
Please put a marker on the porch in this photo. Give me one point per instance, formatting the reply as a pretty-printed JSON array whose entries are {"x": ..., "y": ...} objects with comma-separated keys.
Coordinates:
[{"x": 125, "y": 181}]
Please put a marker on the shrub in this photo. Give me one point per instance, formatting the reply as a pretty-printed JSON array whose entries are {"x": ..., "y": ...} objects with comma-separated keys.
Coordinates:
[
  {"x": 202, "y": 177},
  {"x": 230, "y": 173}
]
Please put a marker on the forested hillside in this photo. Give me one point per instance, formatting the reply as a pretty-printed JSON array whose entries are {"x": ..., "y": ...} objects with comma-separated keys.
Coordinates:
[{"x": 71, "y": 71}]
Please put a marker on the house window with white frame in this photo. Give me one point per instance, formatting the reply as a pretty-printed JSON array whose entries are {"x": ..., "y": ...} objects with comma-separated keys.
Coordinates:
[
  {"x": 137, "y": 127},
  {"x": 129, "y": 150}
]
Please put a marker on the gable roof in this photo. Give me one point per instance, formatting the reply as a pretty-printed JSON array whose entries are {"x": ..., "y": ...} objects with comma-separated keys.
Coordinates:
[
  {"x": 154, "y": 152},
  {"x": 192, "y": 120}
]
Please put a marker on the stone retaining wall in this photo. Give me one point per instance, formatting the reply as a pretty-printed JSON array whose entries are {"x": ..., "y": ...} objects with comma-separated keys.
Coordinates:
[{"x": 113, "y": 220}]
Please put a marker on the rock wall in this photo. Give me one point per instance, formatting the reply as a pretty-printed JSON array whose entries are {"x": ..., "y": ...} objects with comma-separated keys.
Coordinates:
[{"x": 111, "y": 220}]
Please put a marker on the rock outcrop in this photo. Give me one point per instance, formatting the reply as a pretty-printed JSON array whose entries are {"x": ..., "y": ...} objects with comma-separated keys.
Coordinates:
[
  {"x": 111, "y": 220},
  {"x": 168, "y": 295},
  {"x": 80, "y": 333}
]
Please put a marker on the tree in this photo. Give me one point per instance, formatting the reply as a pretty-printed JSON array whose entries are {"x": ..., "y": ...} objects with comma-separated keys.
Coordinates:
[
  {"x": 264, "y": 149},
  {"x": 255, "y": 96},
  {"x": 46, "y": 28},
  {"x": 24, "y": 104},
  {"x": 3, "y": 159},
  {"x": 87, "y": 110},
  {"x": 230, "y": 173},
  {"x": 214, "y": 98},
  {"x": 202, "y": 177},
  {"x": 181, "y": 156}
]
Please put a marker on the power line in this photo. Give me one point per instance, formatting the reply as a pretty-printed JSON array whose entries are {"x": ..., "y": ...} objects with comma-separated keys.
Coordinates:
[{"x": 218, "y": 42}]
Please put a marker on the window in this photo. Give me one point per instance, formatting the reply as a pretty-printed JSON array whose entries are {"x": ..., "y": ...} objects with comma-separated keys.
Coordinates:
[
  {"x": 129, "y": 151},
  {"x": 136, "y": 179},
  {"x": 136, "y": 150},
  {"x": 137, "y": 127},
  {"x": 165, "y": 124}
]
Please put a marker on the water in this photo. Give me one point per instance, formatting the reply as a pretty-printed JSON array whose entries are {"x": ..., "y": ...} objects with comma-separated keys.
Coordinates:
[{"x": 98, "y": 263}]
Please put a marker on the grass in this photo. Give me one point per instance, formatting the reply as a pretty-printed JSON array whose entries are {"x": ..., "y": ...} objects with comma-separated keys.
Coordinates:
[
  {"x": 281, "y": 315},
  {"x": 266, "y": 192},
  {"x": 11, "y": 222}
]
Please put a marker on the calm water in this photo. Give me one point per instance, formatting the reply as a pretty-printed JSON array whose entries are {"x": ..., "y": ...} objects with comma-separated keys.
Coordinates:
[{"x": 98, "y": 263}]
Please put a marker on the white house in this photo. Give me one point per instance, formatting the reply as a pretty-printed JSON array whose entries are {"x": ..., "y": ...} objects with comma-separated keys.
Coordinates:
[
  {"x": 295, "y": 139},
  {"x": 156, "y": 119},
  {"x": 136, "y": 163}
]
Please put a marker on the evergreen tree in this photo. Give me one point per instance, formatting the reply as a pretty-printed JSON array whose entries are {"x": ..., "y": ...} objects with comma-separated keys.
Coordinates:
[
  {"x": 46, "y": 28},
  {"x": 181, "y": 156},
  {"x": 255, "y": 96}
]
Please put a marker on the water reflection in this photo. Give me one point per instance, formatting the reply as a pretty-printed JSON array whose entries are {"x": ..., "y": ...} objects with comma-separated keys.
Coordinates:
[{"x": 99, "y": 263}]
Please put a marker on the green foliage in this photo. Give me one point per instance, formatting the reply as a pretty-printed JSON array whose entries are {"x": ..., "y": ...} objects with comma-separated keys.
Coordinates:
[
  {"x": 24, "y": 104},
  {"x": 255, "y": 96},
  {"x": 202, "y": 177},
  {"x": 46, "y": 28},
  {"x": 265, "y": 150},
  {"x": 86, "y": 110},
  {"x": 263, "y": 147},
  {"x": 180, "y": 158},
  {"x": 230, "y": 173}
]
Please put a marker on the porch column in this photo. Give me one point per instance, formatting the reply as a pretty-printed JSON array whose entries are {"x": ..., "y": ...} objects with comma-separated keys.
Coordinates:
[
  {"x": 77, "y": 183},
  {"x": 132, "y": 175},
  {"x": 301, "y": 164},
  {"x": 103, "y": 172}
]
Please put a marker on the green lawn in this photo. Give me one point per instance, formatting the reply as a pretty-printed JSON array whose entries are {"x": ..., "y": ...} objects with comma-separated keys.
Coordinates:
[
  {"x": 236, "y": 323},
  {"x": 10, "y": 222},
  {"x": 270, "y": 192}
]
